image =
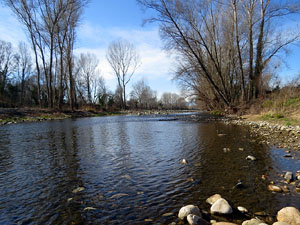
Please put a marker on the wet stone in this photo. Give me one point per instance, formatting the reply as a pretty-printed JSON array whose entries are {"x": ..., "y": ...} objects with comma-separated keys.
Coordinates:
[{"x": 288, "y": 176}]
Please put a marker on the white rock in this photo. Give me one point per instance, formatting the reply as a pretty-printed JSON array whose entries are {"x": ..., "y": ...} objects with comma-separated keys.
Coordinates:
[
  {"x": 242, "y": 209},
  {"x": 184, "y": 162},
  {"x": 221, "y": 206},
  {"x": 193, "y": 219},
  {"x": 250, "y": 157},
  {"x": 289, "y": 215},
  {"x": 288, "y": 176},
  {"x": 252, "y": 222},
  {"x": 212, "y": 199},
  {"x": 224, "y": 223},
  {"x": 188, "y": 209},
  {"x": 280, "y": 223}
]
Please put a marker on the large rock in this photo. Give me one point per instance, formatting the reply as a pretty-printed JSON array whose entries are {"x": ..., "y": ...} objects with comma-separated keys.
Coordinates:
[
  {"x": 212, "y": 199},
  {"x": 196, "y": 220},
  {"x": 252, "y": 222},
  {"x": 221, "y": 206},
  {"x": 224, "y": 223},
  {"x": 281, "y": 223},
  {"x": 188, "y": 209},
  {"x": 289, "y": 215}
]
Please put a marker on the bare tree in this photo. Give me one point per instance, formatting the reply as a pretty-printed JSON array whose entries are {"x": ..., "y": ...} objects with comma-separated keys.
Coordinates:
[
  {"x": 51, "y": 25},
  {"x": 143, "y": 95},
  {"x": 124, "y": 60},
  {"x": 24, "y": 67},
  {"x": 88, "y": 75},
  {"x": 7, "y": 64},
  {"x": 219, "y": 59}
]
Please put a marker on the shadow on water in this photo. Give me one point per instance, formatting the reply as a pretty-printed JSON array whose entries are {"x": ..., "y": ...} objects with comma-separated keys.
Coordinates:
[{"x": 130, "y": 170}]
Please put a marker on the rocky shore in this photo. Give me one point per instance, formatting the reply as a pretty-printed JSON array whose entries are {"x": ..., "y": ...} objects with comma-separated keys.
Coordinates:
[
  {"x": 281, "y": 136},
  {"x": 220, "y": 208}
]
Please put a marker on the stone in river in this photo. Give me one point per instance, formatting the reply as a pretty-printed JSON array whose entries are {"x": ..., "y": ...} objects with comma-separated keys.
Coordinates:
[
  {"x": 212, "y": 199},
  {"x": 274, "y": 188},
  {"x": 196, "y": 220},
  {"x": 167, "y": 214},
  {"x": 289, "y": 215},
  {"x": 89, "y": 208},
  {"x": 242, "y": 209},
  {"x": 79, "y": 189},
  {"x": 224, "y": 223},
  {"x": 184, "y": 162},
  {"x": 119, "y": 195},
  {"x": 281, "y": 223},
  {"x": 221, "y": 206},
  {"x": 252, "y": 222},
  {"x": 250, "y": 157},
  {"x": 288, "y": 176},
  {"x": 188, "y": 209}
]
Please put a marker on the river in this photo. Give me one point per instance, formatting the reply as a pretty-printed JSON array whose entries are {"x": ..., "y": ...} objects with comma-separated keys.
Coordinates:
[{"x": 129, "y": 172}]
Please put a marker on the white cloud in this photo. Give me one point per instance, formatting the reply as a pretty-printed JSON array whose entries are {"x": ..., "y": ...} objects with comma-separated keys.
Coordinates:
[
  {"x": 10, "y": 28},
  {"x": 155, "y": 61}
]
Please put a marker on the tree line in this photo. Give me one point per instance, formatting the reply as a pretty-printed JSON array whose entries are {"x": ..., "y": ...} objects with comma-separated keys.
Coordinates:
[
  {"x": 48, "y": 73},
  {"x": 18, "y": 85},
  {"x": 228, "y": 49}
]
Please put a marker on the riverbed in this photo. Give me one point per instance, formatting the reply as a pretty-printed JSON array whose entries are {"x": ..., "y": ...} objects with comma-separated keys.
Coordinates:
[{"x": 127, "y": 170}]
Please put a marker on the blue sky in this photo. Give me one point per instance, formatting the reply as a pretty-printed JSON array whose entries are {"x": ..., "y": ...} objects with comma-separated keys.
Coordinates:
[
  {"x": 106, "y": 20},
  {"x": 102, "y": 22}
]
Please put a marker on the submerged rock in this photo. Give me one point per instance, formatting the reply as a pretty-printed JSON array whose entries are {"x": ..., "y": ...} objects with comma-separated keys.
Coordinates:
[
  {"x": 184, "y": 162},
  {"x": 289, "y": 215},
  {"x": 168, "y": 214},
  {"x": 79, "y": 189},
  {"x": 250, "y": 157},
  {"x": 89, "y": 208},
  {"x": 212, "y": 199},
  {"x": 288, "y": 176},
  {"x": 274, "y": 188},
  {"x": 188, "y": 209},
  {"x": 221, "y": 206},
  {"x": 119, "y": 195}
]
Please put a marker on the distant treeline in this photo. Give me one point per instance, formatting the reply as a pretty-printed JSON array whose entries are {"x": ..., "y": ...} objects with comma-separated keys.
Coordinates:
[
  {"x": 48, "y": 74},
  {"x": 18, "y": 85}
]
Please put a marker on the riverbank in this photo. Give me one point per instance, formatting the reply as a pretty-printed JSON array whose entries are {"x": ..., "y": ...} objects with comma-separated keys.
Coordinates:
[
  {"x": 20, "y": 115},
  {"x": 270, "y": 130}
]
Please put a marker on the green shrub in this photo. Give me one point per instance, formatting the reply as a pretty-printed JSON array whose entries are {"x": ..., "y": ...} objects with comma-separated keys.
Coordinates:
[{"x": 291, "y": 101}]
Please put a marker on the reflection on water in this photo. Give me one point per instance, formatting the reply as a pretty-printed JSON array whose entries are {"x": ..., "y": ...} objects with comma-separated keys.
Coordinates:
[{"x": 130, "y": 170}]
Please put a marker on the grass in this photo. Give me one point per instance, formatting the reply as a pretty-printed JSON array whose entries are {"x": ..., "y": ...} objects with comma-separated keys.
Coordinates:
[
  {"x": 280, "y": 118},
  {"x": 216, "y": 113}
]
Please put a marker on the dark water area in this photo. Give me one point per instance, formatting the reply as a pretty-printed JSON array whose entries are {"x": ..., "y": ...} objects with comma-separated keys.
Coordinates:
[{"x": 130, "y": 170}]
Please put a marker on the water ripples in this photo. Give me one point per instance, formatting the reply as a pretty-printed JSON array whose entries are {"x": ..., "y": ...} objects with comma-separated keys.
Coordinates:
[{"x": 129, "y": 168}]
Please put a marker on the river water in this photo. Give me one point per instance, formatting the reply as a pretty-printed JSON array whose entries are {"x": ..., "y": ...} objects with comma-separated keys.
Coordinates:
[{"x": 130, "y": 172}]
